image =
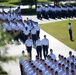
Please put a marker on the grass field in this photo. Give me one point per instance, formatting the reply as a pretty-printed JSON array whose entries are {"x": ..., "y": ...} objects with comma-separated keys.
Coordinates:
[
  {"x": 10, "y": 2},
  {"x": 59, "y": 30},
  {"x": 16, "y": 2}
]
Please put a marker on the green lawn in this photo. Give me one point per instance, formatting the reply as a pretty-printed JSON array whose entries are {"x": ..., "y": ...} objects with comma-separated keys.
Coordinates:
[
  {"x": 41, "y": 1},
  {"x": 10, "y": 2},
  {"x": 59, "y": 30},
  {"x": 16, "y": 2}
]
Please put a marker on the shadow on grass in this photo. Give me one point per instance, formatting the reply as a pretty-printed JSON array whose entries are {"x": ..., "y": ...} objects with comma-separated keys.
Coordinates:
[
  {"x": 6, "y": 6},
  {"x": 4, "y": 0},
  {"x": 26, "y": 3},
  {"x": 19, "y": 3},
  {"x": 15, "y": 3},
  {"x": 40, "y": 2}
]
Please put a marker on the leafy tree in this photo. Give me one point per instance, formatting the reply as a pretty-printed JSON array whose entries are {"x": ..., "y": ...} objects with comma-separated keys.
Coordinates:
[
  {"x": 3, "y": 0},
  {"x": 3, "y": 50},
  {"x": 29, "y": 2}
]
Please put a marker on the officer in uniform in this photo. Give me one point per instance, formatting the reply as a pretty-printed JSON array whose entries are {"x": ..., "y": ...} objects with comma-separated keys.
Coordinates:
[
  {"x": 70, "y": 31},
  {"x": 26, "y": 33},
  {"x": 28, "y": 44},
  {"x": 53, "y": 12},
  {"x": 69, "y": 11},
  {"x": 33, "y": 33},
  {"x": 37, "y": 27},
  {"x": 21, "y": 28},
  {"x": 29, "y": 27},
  {"x": 74, "y": 11},
  {"x": 38, "y": 12},
  {"x": 12, "y": 16},
  {"x": 66, "y": 11},
  {"x": 45, "y": 43},
  {"x": 58, "y": 12},
  {"x": 39, "y": 47},
  {"x": 8, "y": 28},
  {"x": 18, "y": 10},
  {"x": 43, "y": 11},
  {"x": 46, "y": 12},
  {"x": 15, "y": 30},
  {"x": 62, "y": 12},
  {"x": 9, "y": 17},
  {"x": 49, "y": 11}
]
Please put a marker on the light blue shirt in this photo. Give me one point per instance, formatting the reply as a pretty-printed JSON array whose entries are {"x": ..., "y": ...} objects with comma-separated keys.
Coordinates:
[
  {"x": 29, "y": 42},
  {"x": 53, "y": 56}
]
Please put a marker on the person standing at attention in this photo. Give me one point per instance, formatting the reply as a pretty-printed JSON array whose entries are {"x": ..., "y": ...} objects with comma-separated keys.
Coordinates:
[
  {"x": 28, "y": 44},
  {"x": 45, "y": 44},
  {"x": 70, "y": 31}
]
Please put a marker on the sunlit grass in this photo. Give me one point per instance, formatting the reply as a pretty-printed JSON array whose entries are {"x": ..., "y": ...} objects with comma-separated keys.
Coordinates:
[
  {"x": 60, "y": 31},
  {"x": 16, "y": 2}
]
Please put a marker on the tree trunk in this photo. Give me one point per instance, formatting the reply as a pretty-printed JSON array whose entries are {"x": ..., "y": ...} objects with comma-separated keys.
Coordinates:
[{"x": 35, "y": 4}]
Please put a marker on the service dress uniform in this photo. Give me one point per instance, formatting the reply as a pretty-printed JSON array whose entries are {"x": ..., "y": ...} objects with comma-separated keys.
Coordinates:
[
  {"x": 46, "y": 12},
  {"x": 37, "y": 27},
  {"x": 26, "y": 33},
  {"x": 39, "y": 48},
  {"x": 70, "y": 31},
  {"x": 74, "y": 11},
  {"x": 45, "y": 43},
  {"x": 33, "y": 33},
  {"x": 38, "y": 12},
  {"x": 53, "y": 12},
  {"x": 43, "y": 11},
  {"x": 15, "y": 29},
  {"x": 29, "y": 44},
  {"x": 8, "y": 27},
  {"x": 50, "y": 11}
]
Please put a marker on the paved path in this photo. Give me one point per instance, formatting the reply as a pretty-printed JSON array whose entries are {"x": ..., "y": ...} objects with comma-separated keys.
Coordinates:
[{"x": 57, "y": 46}]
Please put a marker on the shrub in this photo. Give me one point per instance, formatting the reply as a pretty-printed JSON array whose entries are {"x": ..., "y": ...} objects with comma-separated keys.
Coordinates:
[{"x": 28, "y": 11}]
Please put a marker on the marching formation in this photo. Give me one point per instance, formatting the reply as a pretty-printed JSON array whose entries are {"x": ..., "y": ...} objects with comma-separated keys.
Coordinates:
[
  {"x": 27, "y": 31},
  {"x": 48, "y": 11},
  {"x": 50, "y": 66}
]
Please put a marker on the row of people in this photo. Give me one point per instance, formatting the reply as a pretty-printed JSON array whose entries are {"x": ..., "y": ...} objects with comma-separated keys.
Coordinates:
[
  {"x": 23, "y": 28},
  {"x": 55, "y": 11},
  {"x": 39, "y": 46},
  {"x": 14, "y": 24},
  {"x": 9, "y": 16},
  {"x": 50, "y": 66}
]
